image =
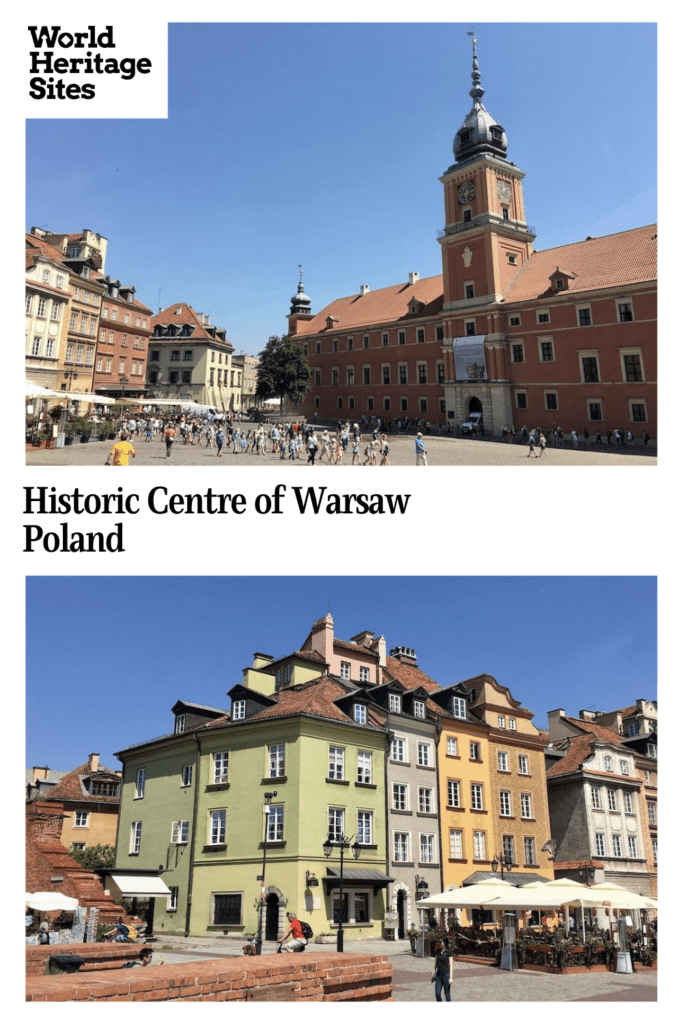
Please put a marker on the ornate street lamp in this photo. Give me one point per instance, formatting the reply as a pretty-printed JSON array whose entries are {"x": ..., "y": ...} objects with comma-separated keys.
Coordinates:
[
  {"x": 329, "y": 843},
  {"x": 505, "y": 861},
  {"x": 262, "y": 877}
]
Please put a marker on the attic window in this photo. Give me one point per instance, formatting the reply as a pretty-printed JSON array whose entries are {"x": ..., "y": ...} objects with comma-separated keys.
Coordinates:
[
  {"x": 360, "y": 713},
  {"x": 560, "y": 284},
  {"x": 395, "y": 703},
  {"x": 512, "y": 258},
  {"x": 179, "y": 724},
  {"x": 99, "y": 788},
  {"x": 459, "y": 707},
  {"x": 465, "y": 137},
  {"x": 419, "y": 709},
  {"x": 239, "y": 710}
]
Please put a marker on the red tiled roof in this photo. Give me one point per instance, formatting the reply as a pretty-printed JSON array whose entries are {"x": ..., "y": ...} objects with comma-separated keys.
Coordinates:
[
  {"x": 601, "y": 731},
  {"x": 69, "y": 787},
  {"x": 186, "y": 315},
  {"x": 375, "y": 307},
  {"x": 45, "y": 249},
  {"x": 580, "y": 748},
  {"x": 629, "y": 257},
  {"x": 314, "y": 698}
]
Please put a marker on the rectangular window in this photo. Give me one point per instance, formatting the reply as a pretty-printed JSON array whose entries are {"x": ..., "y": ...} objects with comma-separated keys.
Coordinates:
[
  {"x": 509, "y": 848},
  {"x": 595, "y": 410},
  {"x": 187, "y": 775},
  {"x": 612, "y": 799},
  {"x": 365, "y": 827},
  {"x": 227, "y": 908},
  {"x": 54, "y": 315},
  {"x": 385, "y": 341},
  {"x": 217, "y": 827},
  {"x": 360, "y": 714},
  {"x": 50, "y": 349},
  {"x": 172, "y": 900},
  {"x": 440, "y": 373},
  {"x": 584, "y": 317},
  {"x": 505, "y": 803},
  {"x": 336, "y": 763},
  {"x": 398, "y": 749},
  {"x": 135, "y": 837},
  {"x": 42, "y": 303},
  {"x": 625, "y": 312},
  {"x": 547, "y": 355},
  {"x": 366, "y": 341},
  {"x": 596, "y": 800},
  {"x": 180, "y": 832},
  {"x": 623, "y": 766},
  {"x": 521, "y": 399},
  {"x": 654, "y": 850},
  {"x": 364, "y": 674},
  {"x": 394, "y": 703},
  {"x": 518, "y": 353},
  {"x": 401, "y": 337},
  {"x": 503, "y": 761},
  {"x": 453, "y": 793},
  {"x": 400, "y": 796},
  {"x": 419, "y": 709},
  {"x": 335, "y": 823},
  {"x": 616, "y": 845},
  {"x": 456, "y": 844},
  {"x": 367, "y": 379},
  {"x": 81, "y": 819},
  {"x": 600, "y": 844},
  {"x": 632, "y": 846},
  {"x": 480, "y": 846},
  {"x": 523, "y": 764},
  {"x": 551, "y": 401},
  {"x": 401, "y": 846},
  {"x": 425, "y": 800},
  {"x": 420, "y": 336},
  {"x": 525, "y": 799},
  {"x": 365, "y": 767},
  {"x": 276, "y": 760},
  {"x": 632, "y": 369},
  {"x": 140, "y": 784},
  {"x": 543, "y": 318},
  {"x": 35, "y": 348},
  {"x": 403, "y": 374},
  {"x": 477, "y": 794},
  {"x": 239, "y": 707},
  {"x": 179, "y": 726},
  {"x": 474, "y": 751},
  {"x": 590, "y": 370},
  {"x": 439, "y": 333},
  {"x": 529, "y": 851},
  {"x": 220, "y": 768},
  {"x": 651, "y": 813},
  {"x": 276, "y": 823},
  {"x": 426, "y": 849},
  {"x": 345, "y": 671},
  {"x": 452, "y": 746},
  {"x": 424, "y": 754}
]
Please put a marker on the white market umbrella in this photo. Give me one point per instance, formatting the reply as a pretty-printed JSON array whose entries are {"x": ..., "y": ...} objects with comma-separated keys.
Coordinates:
[
  {"x": 469, "y": 895},
  {"x": 80, "y": 396},
  {"x": 622, "y": 899},
  {"x": 38, "y": 391},
  {"x": 48, "y": 901}
]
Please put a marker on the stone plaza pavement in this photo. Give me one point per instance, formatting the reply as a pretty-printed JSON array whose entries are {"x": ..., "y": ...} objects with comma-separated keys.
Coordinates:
[
  {"x": 442, "y": 451},
  {"x": 471, "y": 982}
]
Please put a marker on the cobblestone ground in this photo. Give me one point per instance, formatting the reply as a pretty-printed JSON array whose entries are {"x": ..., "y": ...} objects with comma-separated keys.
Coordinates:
[
  {"x": 442, "y": 451},
  {"x": 471, "y": 983}
]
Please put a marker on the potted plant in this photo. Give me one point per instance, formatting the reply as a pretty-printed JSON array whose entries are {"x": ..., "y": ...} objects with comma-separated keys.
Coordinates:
[
  {"x": 521, "y": 945},
  {"x": 69, "y": 433},
  {"x": 325, "y": 938},
  {"x": 610, "y": 948},
  {"x": 39, "y": 440},
  {"x": 111, "y": 430},
  {"x": 648, "y": 957},
  {"x": 561, "y": 950},
  {"x": 412, "y": 934}
]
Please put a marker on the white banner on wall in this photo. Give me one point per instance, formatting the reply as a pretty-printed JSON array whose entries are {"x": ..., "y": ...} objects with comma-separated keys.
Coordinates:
[{"x": 469, "y": 357}]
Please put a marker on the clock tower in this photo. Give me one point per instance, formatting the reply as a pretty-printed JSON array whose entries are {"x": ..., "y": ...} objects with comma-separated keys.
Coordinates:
[{"x": 486, "y": 238}]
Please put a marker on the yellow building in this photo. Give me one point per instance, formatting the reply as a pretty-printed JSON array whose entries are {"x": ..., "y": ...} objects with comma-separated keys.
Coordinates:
[
  {"x": 48, "y": 306},
  {"x": 90, "y": 795}
]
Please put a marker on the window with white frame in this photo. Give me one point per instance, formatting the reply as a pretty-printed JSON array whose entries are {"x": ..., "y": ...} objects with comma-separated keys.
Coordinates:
[
  {"x": 394, "y": 703},
  {"x": 596, "y": 798},
  {"x": 345, "y": 670},
  {"x": 523, "y": 761},
  {"x": 651, "y": 750},
  {"x": 239, "y": 710},
  {"x": 459, "y": 707},
  {"x": 365, "y": 767},
  {"x": 632, "y": 846},
  {"x": 501, "y": 721},
  {"x": 398, "y": 749},
  {"x": 456, "y": 844},
  {"x": 135, "y": 837},
  {"x": 140, "y": 783},
  {"x": 180, "y": 832},
  {"x": 360, "y": 714},
  {"x": 335, "y": 823},
  {"x": 608, "y": 763},
  {"x": 81, "y": 819},
  {"x": 505, "y": 803},
  {"x": 648, "y": 778},
  {"x": 401, "y": 846},
  {"x": 633, "y": 729},
  {"x": 509, "y": 848},
  {"x": 474, "y": 751},
  {"x": 529, "y": 850},
  {"x": 452, "y": 746},
  {"x": 623, "y": 766},
  {"x": 172, "y": 898},
  {"x": 419, "y": 709},
  {"x": 512, "y": 724},
  {"x": 425, "y": 800},
  {"x": 525, "y": 799},
  {"x": 217, "y": 820},
  {"x": 426, "y": 848},
  {"x": 628, "y": 803},
  {"x": 364, "y": 674},
  {"x": 477, "y": 795},
  {"x": 480, "y": 846},
  {"x": 503, "y": 761},
  {"x": 424, "y": 756},
  {"x": 612, "y": 799},
  {"x": 276, "y": 823},
  {"x": 600, "y": 848},
  {"x": 651, "y": 812},
  {"x": 400, "y": 796},
  {"x": 654, "y": 850},
  {"x": 220, "y": 768},
  {"x": 179, "y": 725},
  {"x": 616, "y": 845},
  {"x": 187, "y": 775},
  {"x": 336, "y": 763},
  {"x": 453, "y": 793},
  {"x": 276, "y": 760},
  {"x": 365, "y": 827}
]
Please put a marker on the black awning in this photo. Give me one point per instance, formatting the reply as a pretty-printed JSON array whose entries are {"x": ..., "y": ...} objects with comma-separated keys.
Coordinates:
[{"x": 357, "y": 876}]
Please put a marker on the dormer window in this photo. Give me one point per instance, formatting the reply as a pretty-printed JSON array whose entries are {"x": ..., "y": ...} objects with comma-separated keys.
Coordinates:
[
  {"x": 419, "y": 709},
  {"x": 465, "y": 137},
  {"x": 360, "y": 714},
  {"x": 239, "y": 710},
  {"x": 179, "y": 724},
  {"x": 100, "y": 788},
  {"x": 459, "y": 707},
  {"x": 560, "y": 284},
  {"x": 395, "y": 703}
]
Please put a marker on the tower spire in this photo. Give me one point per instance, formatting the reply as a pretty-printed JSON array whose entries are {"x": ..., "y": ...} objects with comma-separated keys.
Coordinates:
[
  {"x": 479, "y": 133},
  {"x": 476, "y": 92}
]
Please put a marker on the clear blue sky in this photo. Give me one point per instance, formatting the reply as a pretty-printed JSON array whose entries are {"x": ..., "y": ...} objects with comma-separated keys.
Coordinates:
[
  {"x": 109, "y": 656},
  {"x": 323, "y": 145}
]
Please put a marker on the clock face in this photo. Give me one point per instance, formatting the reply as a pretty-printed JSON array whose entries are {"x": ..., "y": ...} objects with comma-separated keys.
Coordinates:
[
  {"x": 466, "y": 192},
  {"x": 504, "y": 190}
]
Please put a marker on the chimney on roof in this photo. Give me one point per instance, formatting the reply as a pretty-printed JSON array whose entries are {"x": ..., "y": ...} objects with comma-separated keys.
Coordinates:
[
  {"x": 556, "y": 731},
  {"x": 364, "y": 289},
  {"x": 413, "y": 277},
  {"x": 406, "y": 655},
  {"x": 40, "y": 773},
  {"x": 261, "y": 660},
  {"x": 363, "y": 639},
  {"x": 93, "y": 762},
  {"x": 380, "y": 646}
]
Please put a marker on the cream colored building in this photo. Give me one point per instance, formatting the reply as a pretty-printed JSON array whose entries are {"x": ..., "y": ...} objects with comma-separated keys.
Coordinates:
[
  {"x": 48, "y": 305},
  {"x": 189, "y": 359}
]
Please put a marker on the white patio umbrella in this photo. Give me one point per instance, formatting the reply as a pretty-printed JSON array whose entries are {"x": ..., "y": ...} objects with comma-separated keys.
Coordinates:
[
  {"x": 48, "y": 901},
  {"x": 622, "y": 899},
  {"x": 469, "y": 895},
  {"x": 38, "y": 391},
  {"x": 562, "y": 892}
]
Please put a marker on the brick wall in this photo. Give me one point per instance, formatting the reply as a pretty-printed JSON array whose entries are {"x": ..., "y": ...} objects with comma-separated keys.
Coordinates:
[
  {"x": 329, "y": 977},
  {"x": 98, "y": 956}
]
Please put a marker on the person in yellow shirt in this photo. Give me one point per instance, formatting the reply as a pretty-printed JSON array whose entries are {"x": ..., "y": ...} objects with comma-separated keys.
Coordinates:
[{"x": 121, "y": 452}]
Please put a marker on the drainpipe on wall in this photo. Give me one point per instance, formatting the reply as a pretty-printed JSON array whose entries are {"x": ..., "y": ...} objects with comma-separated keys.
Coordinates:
[
  {"x": 387, "y": 838},
  {"x": 192, "y": 837},
  {"x": 439, "y": 731}
]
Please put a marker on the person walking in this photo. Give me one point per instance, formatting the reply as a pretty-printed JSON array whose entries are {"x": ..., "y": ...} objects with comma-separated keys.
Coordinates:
[
  {"x": 541, "y": 445},
  {"x": 442, "y": 971},
  {"x": 121, "y": 452},
  {"x": 420, "y": 451},
  {"x": 220, "y": 439},
  {"x": 169, "y": 438},
  {"x": 312, "y": 449},
  {"x": 532, "y": 442}
]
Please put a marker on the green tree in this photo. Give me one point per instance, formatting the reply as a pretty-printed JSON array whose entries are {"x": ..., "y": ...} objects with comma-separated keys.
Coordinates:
[
  {"x": 94, "y": 856},
  {"x": 283, "y": 371}
]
